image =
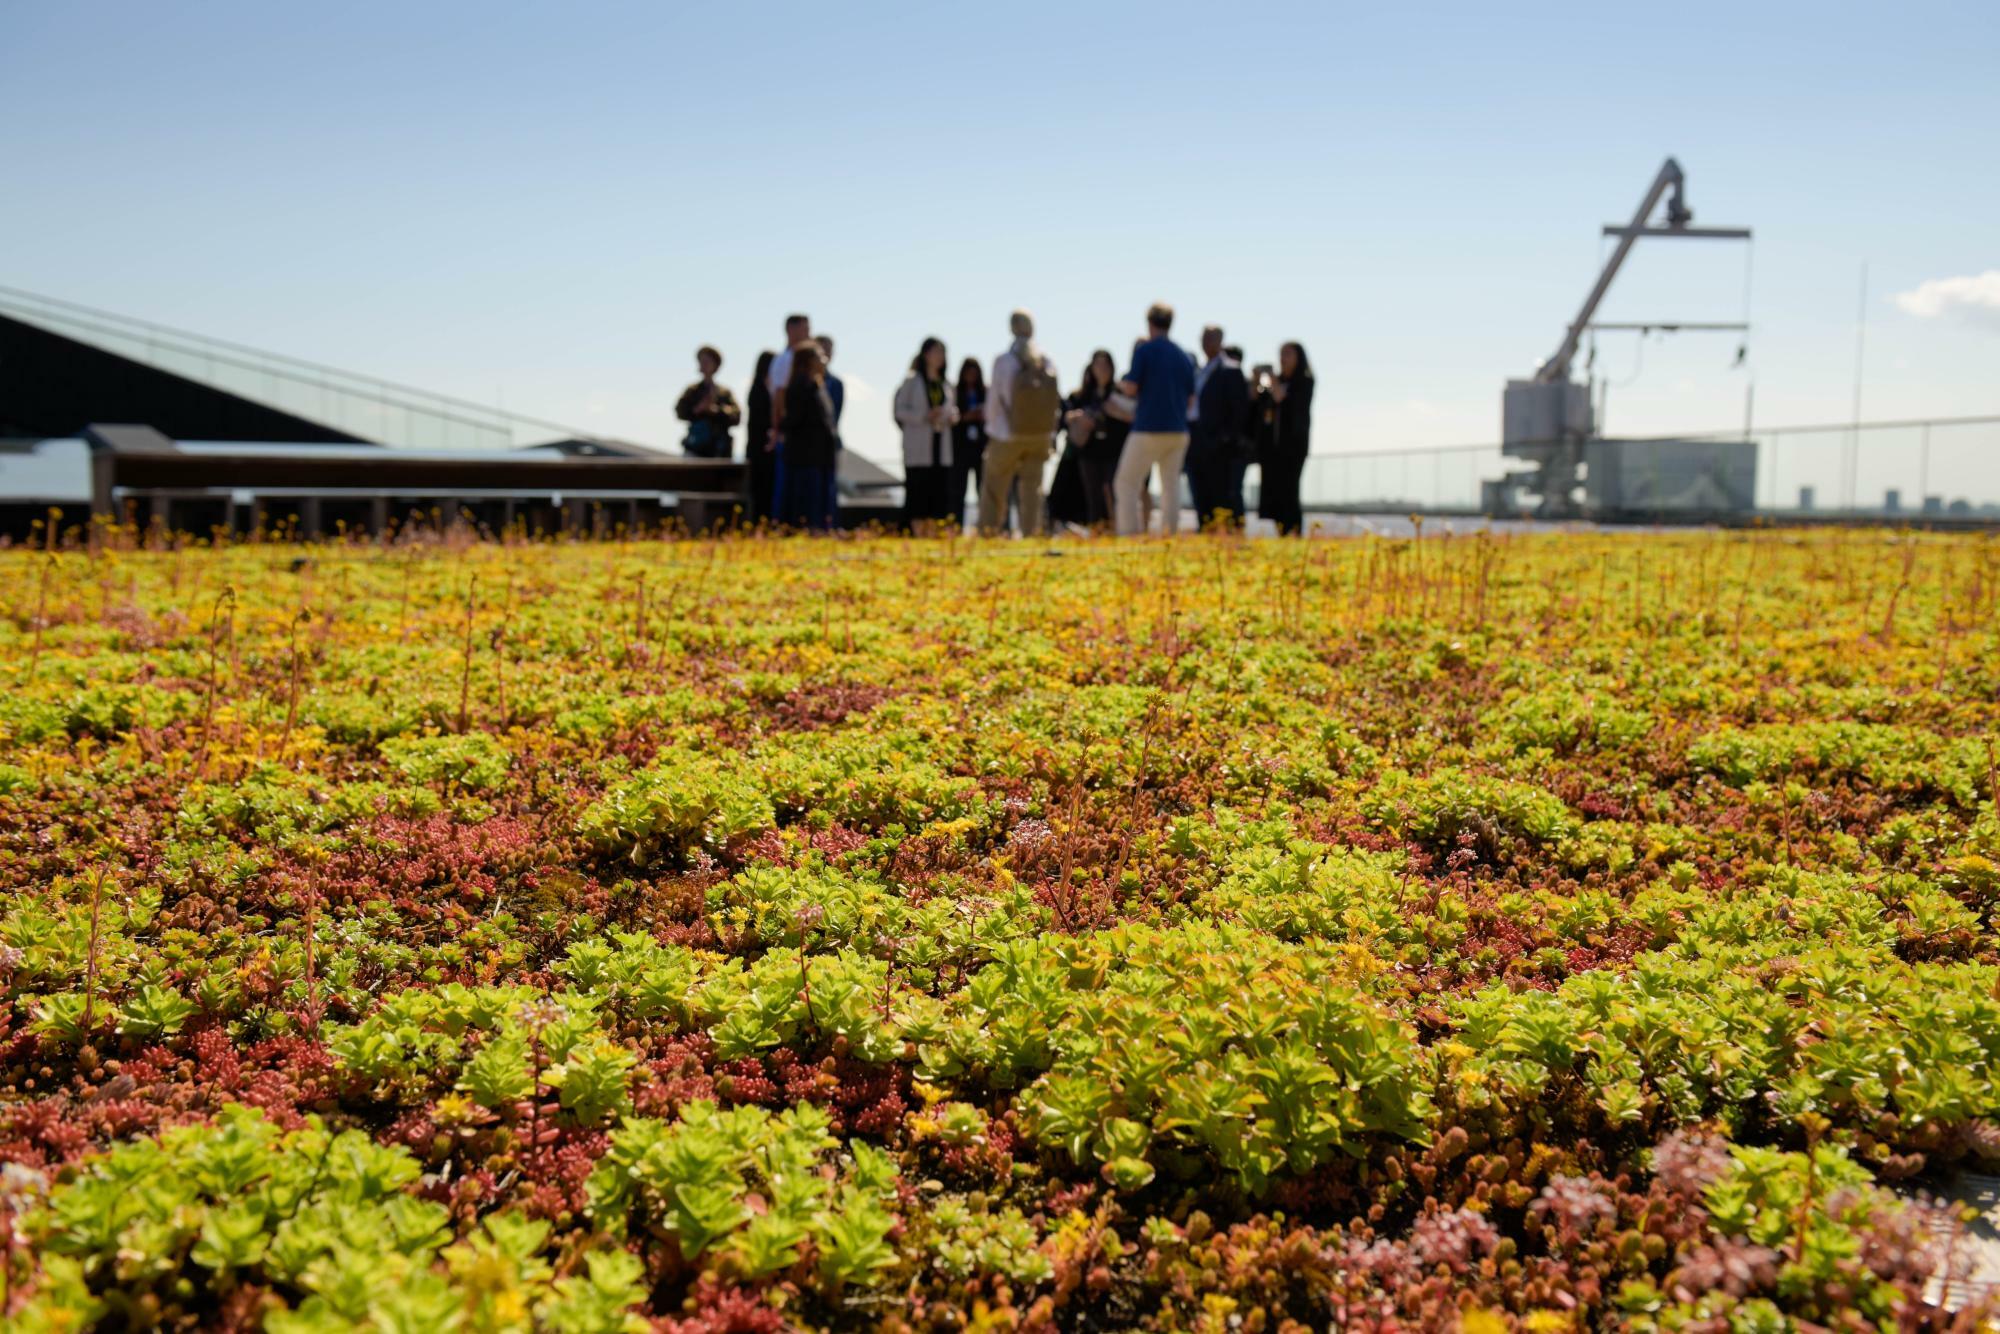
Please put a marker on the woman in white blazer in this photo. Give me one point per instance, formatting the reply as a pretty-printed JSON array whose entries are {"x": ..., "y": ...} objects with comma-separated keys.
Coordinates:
[{"x": 926, "y": 410}]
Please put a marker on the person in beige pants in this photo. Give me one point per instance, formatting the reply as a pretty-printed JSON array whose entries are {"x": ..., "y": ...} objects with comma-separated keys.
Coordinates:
[
  {"x": 1162, "y": 384},
  {"x": 1144, "y": 450},
  {"x": 1016, "y": 451}
]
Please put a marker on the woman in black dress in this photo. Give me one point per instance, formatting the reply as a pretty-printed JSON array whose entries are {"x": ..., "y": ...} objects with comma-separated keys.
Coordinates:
[
  {"x": 1291, "y": 439},
  {"x": 757, "y": 451}
]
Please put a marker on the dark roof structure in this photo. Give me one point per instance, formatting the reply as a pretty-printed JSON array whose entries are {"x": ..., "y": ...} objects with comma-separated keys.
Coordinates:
[{"x": 52, "y": 385}]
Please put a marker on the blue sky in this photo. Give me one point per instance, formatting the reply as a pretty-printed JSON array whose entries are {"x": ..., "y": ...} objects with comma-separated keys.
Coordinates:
[{"x": 549, "y": 206}]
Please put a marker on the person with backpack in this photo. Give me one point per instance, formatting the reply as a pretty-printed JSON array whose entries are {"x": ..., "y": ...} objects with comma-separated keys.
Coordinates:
[
  {"x": 1162, "y": 382},
  {"x": 1023, "y": 406}
]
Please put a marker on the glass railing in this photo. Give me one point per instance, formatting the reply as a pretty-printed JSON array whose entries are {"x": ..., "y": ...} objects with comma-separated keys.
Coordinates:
[
  {"x": 1941, "y": 466},
  {"x": 1946, "y": 466},
  {"x": 363, "y": 406},
  {"x": 1395, "y": 480}
]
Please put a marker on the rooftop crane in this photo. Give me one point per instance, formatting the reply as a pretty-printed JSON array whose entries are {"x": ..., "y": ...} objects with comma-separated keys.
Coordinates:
[{"x": 1548, "y": 420}]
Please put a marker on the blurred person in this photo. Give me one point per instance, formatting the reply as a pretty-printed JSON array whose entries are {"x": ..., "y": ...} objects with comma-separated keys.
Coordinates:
[
  {"x": 1216, "y": 425},
  {"x": 809, "y": 441},
  {"x": 927, "y": 414},
  {"x": 1263, "y": 424},
  {"x": 1098, "y": 434},
  {"x": 1284, "y": 463},
  {"x": 1248, "y": 449},
  {"x": 798, "y": 333},
  {"x": 836, "y": 390},
  {"x": 1021, "y": 418},
  {"x": 834, "y": 387},
  {"x": 1161, "y": 379},
  {"x": 968, "y": 438},
  {"x": 709, "y": 409},
  {"x": 757, "y": 451},
  {"x": 1244, "y": 450},
  {"x": 1065, "y": 501}
]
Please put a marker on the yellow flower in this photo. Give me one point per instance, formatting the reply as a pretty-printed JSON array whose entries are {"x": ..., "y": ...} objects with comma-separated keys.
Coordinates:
[{"x": 1480, "y": 1320}]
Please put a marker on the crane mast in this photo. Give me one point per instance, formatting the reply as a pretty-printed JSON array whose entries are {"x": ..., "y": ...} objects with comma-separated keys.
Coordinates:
[
  {"x": 1547, "y": 420},
  {"x": 1556, "y": 368}
]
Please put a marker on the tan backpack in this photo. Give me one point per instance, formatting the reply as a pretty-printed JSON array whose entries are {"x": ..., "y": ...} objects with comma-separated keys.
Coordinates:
[{"x": 1036, "y": 399}]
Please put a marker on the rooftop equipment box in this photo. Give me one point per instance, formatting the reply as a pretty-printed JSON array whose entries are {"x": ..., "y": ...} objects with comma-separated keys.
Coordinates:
[
  {"x": 1670, "y": 476},
  {"x": 1533, "y": 413}
]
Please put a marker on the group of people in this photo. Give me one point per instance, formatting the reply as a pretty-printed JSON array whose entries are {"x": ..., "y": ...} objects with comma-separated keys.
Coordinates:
[{"x": 1170, "y": 413}]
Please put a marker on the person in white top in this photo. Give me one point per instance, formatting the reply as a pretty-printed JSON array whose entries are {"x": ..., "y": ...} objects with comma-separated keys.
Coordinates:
[
  {"x": 925, "y": 410},
  {"x": 1023, "y": 406},
  {"x": 798, "y": 329}
]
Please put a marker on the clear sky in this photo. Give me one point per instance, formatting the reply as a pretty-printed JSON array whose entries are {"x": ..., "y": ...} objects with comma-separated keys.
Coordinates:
[{"x": 548, "y": 206}]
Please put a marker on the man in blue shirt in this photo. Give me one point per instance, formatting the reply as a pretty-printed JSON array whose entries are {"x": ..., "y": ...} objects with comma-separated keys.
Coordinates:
[{"x": 1162, "y": 382}]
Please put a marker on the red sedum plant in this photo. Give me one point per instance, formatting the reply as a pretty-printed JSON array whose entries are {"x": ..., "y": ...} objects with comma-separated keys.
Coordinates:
[{"x": 1474, "y": 933}]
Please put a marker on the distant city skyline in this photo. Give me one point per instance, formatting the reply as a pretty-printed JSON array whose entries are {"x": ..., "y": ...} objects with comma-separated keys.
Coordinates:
[{"x": 549, "y": 210}]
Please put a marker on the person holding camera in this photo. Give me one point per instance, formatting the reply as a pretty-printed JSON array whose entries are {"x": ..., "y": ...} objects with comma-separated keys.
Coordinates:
[
  {"x": 709, "y": 409},
  {"x": 1283, "y": 461}
]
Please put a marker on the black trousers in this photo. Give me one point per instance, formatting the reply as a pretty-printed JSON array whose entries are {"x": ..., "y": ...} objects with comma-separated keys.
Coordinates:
[
  {"x": 1215, "y": 479},
  {"x": 969, "y": 467},
  {"x": 1097, "y": 474},
  {"x": 1279, "y": 499},
  {"x": 764, "y": 500},
  {"x": 927, "y": 494}
]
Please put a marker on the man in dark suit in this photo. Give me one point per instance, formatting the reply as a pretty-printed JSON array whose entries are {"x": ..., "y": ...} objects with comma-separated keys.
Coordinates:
[{"x": 1218, "y": 429}]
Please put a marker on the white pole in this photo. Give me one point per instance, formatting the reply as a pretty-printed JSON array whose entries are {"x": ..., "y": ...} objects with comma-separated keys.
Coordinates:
[{"x": 1860, "y": 350}]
